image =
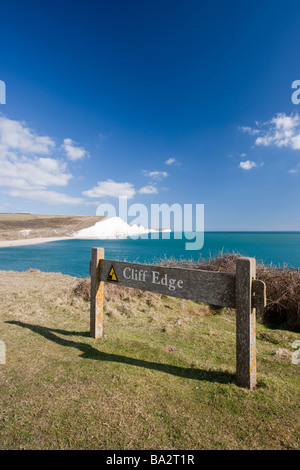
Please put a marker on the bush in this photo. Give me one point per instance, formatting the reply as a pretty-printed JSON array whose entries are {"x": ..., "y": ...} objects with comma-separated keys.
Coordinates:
[
  {"x": 283, "y": 289},
  {"x": 82, "y": 289}
]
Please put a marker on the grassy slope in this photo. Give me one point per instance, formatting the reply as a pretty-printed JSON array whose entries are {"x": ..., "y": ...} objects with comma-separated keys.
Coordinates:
[
  {"x": 43, "y": 225},
  {"x": 62, "y": 389}
]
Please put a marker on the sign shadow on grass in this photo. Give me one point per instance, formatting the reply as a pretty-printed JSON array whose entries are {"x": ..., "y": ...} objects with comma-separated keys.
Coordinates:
[{"x": 89, "y": 352}]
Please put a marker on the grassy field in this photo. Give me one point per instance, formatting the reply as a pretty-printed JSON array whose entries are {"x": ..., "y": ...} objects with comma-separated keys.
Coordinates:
[
  {"x": 161, "y": 378},
  {"x": 22, "y": 226}
]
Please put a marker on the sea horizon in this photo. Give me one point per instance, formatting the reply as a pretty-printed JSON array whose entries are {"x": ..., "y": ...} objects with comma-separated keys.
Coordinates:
[{"x": 72, "y": 256}]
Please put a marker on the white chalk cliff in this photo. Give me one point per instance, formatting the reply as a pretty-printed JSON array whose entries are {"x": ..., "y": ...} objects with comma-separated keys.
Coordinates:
[{"x": 112, "y": 227}]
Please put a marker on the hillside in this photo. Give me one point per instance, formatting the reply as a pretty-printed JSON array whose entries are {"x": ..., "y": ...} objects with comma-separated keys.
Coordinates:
[
  {"x": 161, "y": 378},
  {"x": 22, "y": 226}
]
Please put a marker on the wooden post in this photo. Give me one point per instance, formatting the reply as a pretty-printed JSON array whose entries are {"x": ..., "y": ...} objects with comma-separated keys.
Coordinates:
[
  {"x": 97, "y": 288},
  {"x": 241, "y": 291},
  {"x": 245, "y": 324}
]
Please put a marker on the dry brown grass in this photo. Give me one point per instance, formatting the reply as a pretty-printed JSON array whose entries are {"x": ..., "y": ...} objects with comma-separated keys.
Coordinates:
[
  {"x": 283, "y": 289},
  {"x": 12, "y": 225},
  {"x": 124, "y": 302}
]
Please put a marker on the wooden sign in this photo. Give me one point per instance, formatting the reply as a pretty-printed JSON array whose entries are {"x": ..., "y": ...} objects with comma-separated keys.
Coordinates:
[
  {"x": 240, "y": 291},
  {"x": 201, "y": 286}
]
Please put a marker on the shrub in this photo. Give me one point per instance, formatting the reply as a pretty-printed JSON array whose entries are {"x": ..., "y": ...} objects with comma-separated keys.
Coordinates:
[
  {"x": 283, "y": 289},
  {"x": 82, "y": 289}
]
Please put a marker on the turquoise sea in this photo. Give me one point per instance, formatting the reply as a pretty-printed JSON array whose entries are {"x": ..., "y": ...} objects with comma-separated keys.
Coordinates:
[{"x": 72, "y": 256}]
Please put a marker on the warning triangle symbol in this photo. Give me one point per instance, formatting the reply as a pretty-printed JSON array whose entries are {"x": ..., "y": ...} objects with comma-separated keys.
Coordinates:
[{"x": 112, "y": 275}]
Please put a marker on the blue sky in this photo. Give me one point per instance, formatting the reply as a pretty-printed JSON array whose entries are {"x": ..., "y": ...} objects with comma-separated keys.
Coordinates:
[{"x": 162, "y": 101}]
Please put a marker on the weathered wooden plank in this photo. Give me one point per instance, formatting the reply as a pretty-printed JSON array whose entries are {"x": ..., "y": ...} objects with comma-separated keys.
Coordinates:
[
  {"x": 245, "y": 324},
  {"x": 96, "y": 311},
  {"x": 259, "y": 295},
  {"x": 213, "y": 288}
]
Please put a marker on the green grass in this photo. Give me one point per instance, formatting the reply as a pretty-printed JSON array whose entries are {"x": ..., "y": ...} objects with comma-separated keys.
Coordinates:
[{"x": 60, "y": 389}]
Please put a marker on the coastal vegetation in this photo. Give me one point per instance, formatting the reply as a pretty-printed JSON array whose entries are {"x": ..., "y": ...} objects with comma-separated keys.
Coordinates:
[
  {"x": 162, "y": 377},
  {"x": 283, "y": 287}
]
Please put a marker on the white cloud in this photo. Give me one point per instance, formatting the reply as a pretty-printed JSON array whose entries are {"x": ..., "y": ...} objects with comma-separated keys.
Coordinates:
[
  {"x": 15, "y": 136},
  {"x": 170, "y": 161},
  {"x": 21, "y": 169},
  {"x": 27, "y": 166},
  {"x": 104, "y": 137},
  {"x": 296, "y": 141},
  {"x": 243, "y": 155},
  {"x": 155, "y": 175},
  {"x": 112, "y": 189},
  {"x": 247, "y": 165},
  {"x": 281, "y": 131},
  {"x": 72, "y": 151},
  {"x": 37, "y": 172},
  {"x": 48, "y": 197},
  {"x": 148, "y": 190},
  {"x": 294, "y": 170},
  {"x": 7, "y": 207},
  {"x": 249, "y": 130}
]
